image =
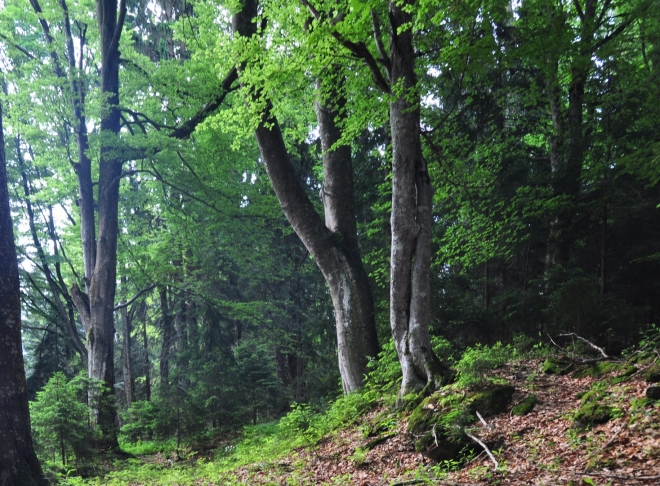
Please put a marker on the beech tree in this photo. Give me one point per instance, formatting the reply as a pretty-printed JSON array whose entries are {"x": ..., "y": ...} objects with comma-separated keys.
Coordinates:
[{"x": 332, "y": 244}]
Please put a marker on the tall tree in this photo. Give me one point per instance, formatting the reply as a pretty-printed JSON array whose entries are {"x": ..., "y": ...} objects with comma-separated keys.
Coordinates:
[
  {"x": 18, "y": 462},
  {"x": 336, "y": 254},
  {"x": 96, "y": 308}
]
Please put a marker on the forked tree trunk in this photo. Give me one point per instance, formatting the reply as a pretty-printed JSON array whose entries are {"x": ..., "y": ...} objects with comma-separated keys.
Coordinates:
[
  {"x": 18, "y": 462},
  {"x": 331, "y": 250},
  {"x": 97, "y": 307},
  {"x": 411, "y": 220}
]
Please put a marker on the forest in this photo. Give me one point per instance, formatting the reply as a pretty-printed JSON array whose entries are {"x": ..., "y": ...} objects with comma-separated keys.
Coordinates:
[{"x": 329, "y": 242}]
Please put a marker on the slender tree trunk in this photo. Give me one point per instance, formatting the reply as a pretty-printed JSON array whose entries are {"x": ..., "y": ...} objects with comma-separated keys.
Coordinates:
[
  {"x": 411, "y": 220},
  {"x": 147, "y": 364},
  {"x": 18, "y": 462},
  {"x": 129, "y": 387},
  {"x": 342, "y": 270},
  {"x": 168, "y": 338}
]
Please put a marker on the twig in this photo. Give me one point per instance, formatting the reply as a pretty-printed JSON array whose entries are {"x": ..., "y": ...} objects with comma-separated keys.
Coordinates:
[
  {"x": 614, "y": 437},
  {"x": 614, "y": 476},
  {"x": 490, "y": 454},
  {"x": 586, "y": 341},
  {"x": 553, "y": 342},
  {"x": 435, "y": 437}
]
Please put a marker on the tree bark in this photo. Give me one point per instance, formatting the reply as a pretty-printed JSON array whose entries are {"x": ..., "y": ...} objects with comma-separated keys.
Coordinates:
[
  {"x": 127, "y": 319},
  {"x": 18, "y": 462},
  {"x": 102, "y": 283},
  {"x": 168, "y": 338},
  {"x": 343, "y": 272},
  {"x": 411, "y": 219}
]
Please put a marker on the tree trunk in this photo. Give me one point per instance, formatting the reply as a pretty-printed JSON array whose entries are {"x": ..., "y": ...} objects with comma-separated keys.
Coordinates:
[
  {"x": 97, "y": 307},
  {"x": 147, "y": 364},
  {"x": 411, "y": 220},
  {"x": 567, "y": 160},
  {"x": 129, "y": 387},
  {"x": 18, "y": 462},
  {"x": 341, "y": 267},
  {"x": 168, "y": 339}
]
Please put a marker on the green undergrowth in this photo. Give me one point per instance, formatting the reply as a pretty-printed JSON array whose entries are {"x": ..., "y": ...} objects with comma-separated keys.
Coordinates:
[{"x": 437, "y": 422}]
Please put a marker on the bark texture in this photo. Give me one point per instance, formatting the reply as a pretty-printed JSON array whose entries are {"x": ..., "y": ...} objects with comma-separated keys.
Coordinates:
[
  {"x": 411, "y": 219},
  {"x": 331, "y": 250},
  {"x": 18, "y": 462}
]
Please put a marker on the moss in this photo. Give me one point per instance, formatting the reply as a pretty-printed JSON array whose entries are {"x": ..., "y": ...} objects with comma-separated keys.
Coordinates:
[
  {"x": 437, "y": 427},
  {"x": 437, "y": 422},
  {"x": 642, "y": 358},
  {"x": 557, "y": 366},
  {"x": 592, "y": 414},
  {"x": 653, "y": 374},
  {"x": 526, "y": 406},
  {"x": 579, "y": 395},
  {"x": 492, "y": 401},
  {"x": 381, "y": 424},
  {"x": 593, "y": 411},
  {"x": 597, "y": 369},
  {"x": 628, "y": 371}
]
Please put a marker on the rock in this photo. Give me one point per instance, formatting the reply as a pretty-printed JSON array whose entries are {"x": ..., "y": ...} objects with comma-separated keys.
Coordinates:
[
  {"x": 653, "y": 392},
  {"x": 557, "y": 366},
  {"x": 597, "y": 369},
  {"x": 593, "y": 414},
  {"x": 526, "y": 406},
  {"x": 437, "y": 422},
  {"x": 592, "y": 411},
  {"x": 492, "y": 401},
  {"x": 653, "y": 375}
]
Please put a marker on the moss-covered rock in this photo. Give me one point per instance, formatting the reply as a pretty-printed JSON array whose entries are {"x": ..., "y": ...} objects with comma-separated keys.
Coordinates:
[
  {"x": 628, "y": 371},
  {"x": 592, "y": 414},
  {"x": 593, "y": 411},
  {"x": 652, "y": 375},
  {"x": 492, "y": 401},
  {"x": 437, "y": 423},
  {"x": 557, "y": 366},
  {"x": 653, "y": 392},
  {"x": 526, "y": 406},
  {"x": 597, "y": 369}
]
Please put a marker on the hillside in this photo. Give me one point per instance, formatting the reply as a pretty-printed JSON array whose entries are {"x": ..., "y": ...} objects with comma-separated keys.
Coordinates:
[{"x": 592, "y": 424}]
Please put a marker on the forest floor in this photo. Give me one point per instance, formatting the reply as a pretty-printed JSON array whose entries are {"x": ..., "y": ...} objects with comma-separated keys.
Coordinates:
[{"x": 543, "y": 447}]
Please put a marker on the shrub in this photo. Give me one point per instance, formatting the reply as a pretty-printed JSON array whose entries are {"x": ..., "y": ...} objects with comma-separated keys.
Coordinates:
[{"x": 476, "y": 361}]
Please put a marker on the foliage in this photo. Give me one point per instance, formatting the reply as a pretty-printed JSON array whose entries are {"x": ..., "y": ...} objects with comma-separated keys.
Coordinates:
[
  {"x": 61, "y": 419},
  {"x": 478, "y": 360}
]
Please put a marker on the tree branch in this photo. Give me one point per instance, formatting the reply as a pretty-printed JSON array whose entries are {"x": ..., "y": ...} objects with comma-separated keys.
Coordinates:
[
  {"x": 134, "y": 298},
  {"x": 358, "y": 49}
]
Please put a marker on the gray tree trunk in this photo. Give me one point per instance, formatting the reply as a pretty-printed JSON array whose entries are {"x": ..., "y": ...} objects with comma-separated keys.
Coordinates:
[
  {"x": 411, "y": 220},
  {"x": 331, "y": 250}
]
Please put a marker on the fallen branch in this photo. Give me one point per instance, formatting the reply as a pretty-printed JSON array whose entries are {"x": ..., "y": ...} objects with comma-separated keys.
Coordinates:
[
  {"x": 615, "y": 476},
  {"x": 490, "y": 454},
  {"x": 586, "y": 341},
  {"x": 614, "y": 437}
]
